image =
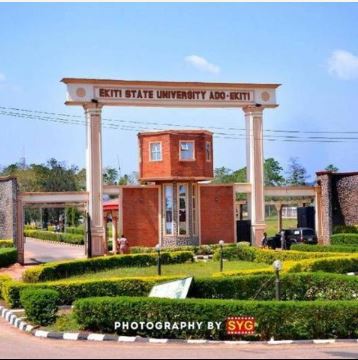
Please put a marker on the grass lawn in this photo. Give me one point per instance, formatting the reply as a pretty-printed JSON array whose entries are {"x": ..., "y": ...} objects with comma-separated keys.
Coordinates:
[
  {"x": 198, "y": 269},
  {"x": 271, "y": 225}
]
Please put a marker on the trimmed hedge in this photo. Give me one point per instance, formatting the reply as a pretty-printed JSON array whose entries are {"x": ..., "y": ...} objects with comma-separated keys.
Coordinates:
[
  {"x": 71, "y": 290},
  {"x": 197, "y": 250},
  {"x": 6, "y": 244},
  {"x": 246, "y": 253},
  {"x": 66, "y": 269},
  {"x": 8, "y": 256},
  {"x": 350, "y": 229},
  {"x": 339, "y": 264},
  {"x": 280, "y": 320},
  {"x": 344, "y": 239},
  {"x": 3, "y": 279},
  {"x": 53, "y": 236},
  {"x": 302, "y": 286},
  {"x": 329, "y": 248},
  {"x": 40, "y": 305}
]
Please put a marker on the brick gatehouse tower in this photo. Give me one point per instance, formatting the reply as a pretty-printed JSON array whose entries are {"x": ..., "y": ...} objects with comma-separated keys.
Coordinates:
[{"x": 176, "y": 204}]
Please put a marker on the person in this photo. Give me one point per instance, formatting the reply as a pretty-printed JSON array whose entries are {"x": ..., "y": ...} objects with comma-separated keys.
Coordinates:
[
  {"x": 264, "y": 242},
  {"x": 123, "y": 245}
]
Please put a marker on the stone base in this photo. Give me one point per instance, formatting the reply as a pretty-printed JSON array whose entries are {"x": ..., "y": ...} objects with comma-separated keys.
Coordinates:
[
  {"x": 257, "y": 234},
  {"x": 98, "y": 242},
  {"x": 173, "y": 241}
]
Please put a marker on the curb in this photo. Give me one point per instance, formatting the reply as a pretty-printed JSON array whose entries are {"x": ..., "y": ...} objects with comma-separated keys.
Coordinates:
[{"x": 10, "y": 317}]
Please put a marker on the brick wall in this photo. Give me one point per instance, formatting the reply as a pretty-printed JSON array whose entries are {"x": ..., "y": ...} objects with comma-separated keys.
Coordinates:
[
  {"x": 217, "y": 214},
  {"x": 171, "y": 167},
  {"x": 8, "y": 193},
  {"x": 140, "y": 216}
]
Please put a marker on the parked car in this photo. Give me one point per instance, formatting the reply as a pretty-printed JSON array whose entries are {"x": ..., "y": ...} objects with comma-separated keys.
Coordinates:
[{"x": 293, "y": 236}]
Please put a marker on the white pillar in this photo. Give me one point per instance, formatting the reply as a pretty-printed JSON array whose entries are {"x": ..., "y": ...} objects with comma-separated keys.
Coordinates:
[
  {"x": 255, "y": 171},
  {"x": 94, "y": 177}
]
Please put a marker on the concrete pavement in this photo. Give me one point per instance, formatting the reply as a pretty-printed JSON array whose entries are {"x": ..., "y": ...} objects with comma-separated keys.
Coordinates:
[
  {"x": 15, "y": 344},
  {"x": 38, "y": 251}
]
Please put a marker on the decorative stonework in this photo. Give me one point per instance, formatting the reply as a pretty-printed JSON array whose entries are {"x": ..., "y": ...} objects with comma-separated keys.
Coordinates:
[
  {"x": 339, "y": 201},
  {"x": 8, "y": 193}
]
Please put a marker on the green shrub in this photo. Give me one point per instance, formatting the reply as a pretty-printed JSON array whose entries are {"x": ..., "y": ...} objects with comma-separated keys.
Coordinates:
[
  {"x": 338, "y": 264},
  {"x": 280, "y": 320},
  {"x": 71, "y": 290},
  {"x": 8, "y": 256},
  {"x": 344, "y": 239},
  {"x": 66, "y": 269},
  {"x": 246, "y": 253},
  {"x": 329, "y": 248},
  {"x": 41, "y": 305},
  {"x": 75, "y": 230},
  {"x": 345, "y": 229},
  {"x": 53, "y": 236},
  {"x": 3, "y": 279},
  {"x": 301, "y": 286},
  {"x": 6, "y": 244},
  {"x": 197, "y": 250}
]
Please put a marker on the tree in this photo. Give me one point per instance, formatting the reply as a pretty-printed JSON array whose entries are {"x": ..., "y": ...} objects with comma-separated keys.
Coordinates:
[
  {"x": 110, "y": 176},
  {"x": 297, "y": 174},
  {"x": 332, "y": 168},
  {"x": 273, "y": 173}
]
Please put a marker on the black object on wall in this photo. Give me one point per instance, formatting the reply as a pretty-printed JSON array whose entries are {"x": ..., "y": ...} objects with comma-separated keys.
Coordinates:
[{"x": 306, "y": 217}]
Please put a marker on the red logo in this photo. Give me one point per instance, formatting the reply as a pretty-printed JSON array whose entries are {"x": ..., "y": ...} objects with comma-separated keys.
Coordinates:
[{"x": 240, "y": 325}]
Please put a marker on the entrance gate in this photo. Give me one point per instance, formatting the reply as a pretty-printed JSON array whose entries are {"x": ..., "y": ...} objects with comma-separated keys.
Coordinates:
[{"x": 94, "y": 94}]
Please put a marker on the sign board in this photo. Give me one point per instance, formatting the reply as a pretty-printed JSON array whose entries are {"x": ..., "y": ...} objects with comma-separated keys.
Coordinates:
[
  {"x": 168, "y": 94},
  {"x": 178, "y": 289}
]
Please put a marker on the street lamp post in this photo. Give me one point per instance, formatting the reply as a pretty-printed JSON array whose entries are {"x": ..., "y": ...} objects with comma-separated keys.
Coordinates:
[
  {"x": 277, "y": 265},
  {"x": 221, "y": 243},
  {"x": 159, "y": 263}
]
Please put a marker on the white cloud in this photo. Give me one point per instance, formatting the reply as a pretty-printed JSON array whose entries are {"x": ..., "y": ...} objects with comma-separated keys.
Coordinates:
[
  {"x": 343, "y": 65},
  {"x": 202, "y": 64}
]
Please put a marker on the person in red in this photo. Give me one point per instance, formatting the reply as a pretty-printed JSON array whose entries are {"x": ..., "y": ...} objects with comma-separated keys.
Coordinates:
[{"x": 123, "y": 245}]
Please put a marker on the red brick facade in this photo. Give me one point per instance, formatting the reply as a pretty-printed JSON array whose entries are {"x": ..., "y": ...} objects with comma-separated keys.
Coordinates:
[
  {"x": 140, "y": 216},
  {"x": 217, "y": 214},
  {"x": 171, "y": 167}
]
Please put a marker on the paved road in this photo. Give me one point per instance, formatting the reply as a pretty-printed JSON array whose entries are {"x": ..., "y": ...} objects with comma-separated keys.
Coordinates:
[
  {"x": 37, "y": 251},
  {"x": 15, "y": 345}
]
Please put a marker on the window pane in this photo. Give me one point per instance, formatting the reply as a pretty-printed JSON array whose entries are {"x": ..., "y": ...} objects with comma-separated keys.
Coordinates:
[
  {"x": 156, "y": 151},
  {"x": 168, "y": 209},
  {"x": 208, "y": 151},
  {"x": 187, "y": 151},
  {"x": 182, "y": 209}
]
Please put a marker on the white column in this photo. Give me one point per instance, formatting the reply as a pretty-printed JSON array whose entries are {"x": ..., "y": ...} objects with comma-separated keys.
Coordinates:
[
  {"x": 94, "y": 177},
  {"x": 255, "y": 171}
]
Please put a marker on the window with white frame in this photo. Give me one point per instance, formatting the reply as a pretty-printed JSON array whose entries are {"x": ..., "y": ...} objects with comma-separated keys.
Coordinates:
[
  {"x": 183, "y": 209},
  {"x": 208, "y": 151},
  {"x": 155, "y": 151},
  {"x": 195, "y": 222},
  {"x": 168, "y": 206},
  {"x": 187, "y": 150}
]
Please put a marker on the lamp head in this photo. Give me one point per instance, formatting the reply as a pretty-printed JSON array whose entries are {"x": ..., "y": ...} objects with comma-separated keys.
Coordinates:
[
  {"x": 221, "y": 242},
  {"x": 277, "y": 265},
  {"x": 158, "y": 247}
]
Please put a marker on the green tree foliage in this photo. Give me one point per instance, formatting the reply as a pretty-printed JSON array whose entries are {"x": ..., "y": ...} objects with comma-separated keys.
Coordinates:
[
  {"x": 296, "y": 173},
  {"x": 332, "y": 168},
  {"x": 272, "y": 173}
]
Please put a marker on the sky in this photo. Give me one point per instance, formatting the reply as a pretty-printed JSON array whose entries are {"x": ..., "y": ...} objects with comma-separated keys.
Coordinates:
[{"x": 311, "y": 49}]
